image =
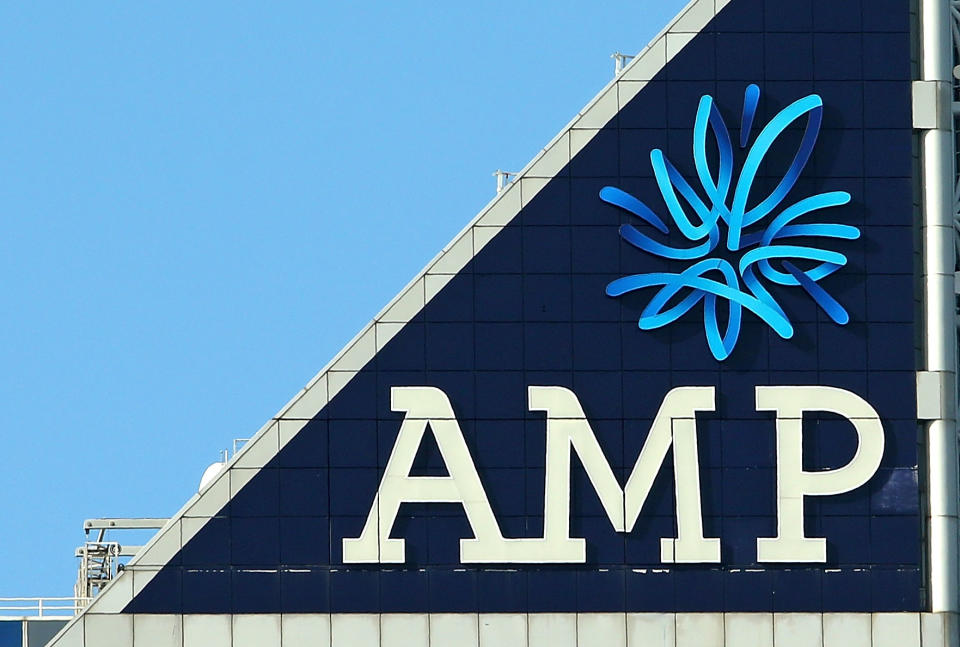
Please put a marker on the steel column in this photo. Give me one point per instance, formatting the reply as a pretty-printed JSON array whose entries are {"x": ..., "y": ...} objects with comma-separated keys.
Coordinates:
[{"x": 940, "y": 313}]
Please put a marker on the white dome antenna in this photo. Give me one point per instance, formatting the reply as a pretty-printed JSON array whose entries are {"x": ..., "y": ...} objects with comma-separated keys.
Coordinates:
[{"x": 212, "y": 471}]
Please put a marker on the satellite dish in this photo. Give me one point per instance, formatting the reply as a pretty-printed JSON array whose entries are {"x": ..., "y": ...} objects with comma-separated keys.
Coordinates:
[{"x": 210, "y": 474}]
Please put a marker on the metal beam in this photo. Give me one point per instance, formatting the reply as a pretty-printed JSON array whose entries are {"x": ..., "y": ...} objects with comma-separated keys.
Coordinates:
[
  {"x": 125, "y": 551},
  {"x": 124, "y": 523}
]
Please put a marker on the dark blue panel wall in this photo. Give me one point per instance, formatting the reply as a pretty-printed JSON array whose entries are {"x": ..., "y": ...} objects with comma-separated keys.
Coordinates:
[
  {"x": 531, "y": 309},
  {"x": 11, "y": 633}
]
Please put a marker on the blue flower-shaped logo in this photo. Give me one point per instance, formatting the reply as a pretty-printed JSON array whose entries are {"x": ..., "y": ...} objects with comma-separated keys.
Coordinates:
[{"x": 764, "y": 233}]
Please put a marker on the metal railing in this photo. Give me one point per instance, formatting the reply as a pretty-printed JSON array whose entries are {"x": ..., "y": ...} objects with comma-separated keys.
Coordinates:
[{"x": 42, "y": 607}]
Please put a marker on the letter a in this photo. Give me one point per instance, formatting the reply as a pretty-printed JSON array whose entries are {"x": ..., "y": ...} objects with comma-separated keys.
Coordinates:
[{"x": 425, "y": 405}]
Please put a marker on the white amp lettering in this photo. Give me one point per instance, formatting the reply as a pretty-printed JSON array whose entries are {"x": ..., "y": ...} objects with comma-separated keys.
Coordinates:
[{"x": 567, "y": 430}]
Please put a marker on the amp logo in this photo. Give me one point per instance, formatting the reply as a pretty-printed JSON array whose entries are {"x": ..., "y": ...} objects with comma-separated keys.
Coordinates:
[{"x": 568, "y": 430}]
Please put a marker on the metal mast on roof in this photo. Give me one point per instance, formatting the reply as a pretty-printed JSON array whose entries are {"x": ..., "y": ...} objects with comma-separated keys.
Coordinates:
[
  {"x": 503, "y": 179},
  {"x": 620, "y": 61},
  {"x": 100, "y": 558}
]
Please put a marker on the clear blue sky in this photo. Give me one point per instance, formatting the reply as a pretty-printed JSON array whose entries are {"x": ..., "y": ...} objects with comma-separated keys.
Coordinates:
[{"x": 202, "y": 202}]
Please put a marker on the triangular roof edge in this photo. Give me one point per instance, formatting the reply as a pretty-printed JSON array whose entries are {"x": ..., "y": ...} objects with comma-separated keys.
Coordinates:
[
  {"x": 543, "y": 167},
  {"x": 335, "y": 375}
]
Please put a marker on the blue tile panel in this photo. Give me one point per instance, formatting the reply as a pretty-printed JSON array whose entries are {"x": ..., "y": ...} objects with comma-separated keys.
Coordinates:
[
  {"x": 530, "y": 309},
  {"x": 11, "y": 633}
]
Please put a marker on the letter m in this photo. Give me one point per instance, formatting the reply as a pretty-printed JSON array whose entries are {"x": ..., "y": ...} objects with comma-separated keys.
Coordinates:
[{"x": 568, "y": 430}]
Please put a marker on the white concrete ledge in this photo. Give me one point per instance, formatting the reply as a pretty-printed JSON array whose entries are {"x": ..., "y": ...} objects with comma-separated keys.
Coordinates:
[{"x": 514, "y": 630}]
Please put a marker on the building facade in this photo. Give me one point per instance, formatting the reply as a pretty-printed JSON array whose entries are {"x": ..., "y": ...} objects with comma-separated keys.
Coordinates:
[{"x": 688, "y": 380}]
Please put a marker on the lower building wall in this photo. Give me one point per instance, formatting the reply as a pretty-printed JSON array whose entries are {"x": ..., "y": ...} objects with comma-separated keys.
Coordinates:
[
  {"x": 29, "y": 632},
  {"x": 515, "y": 630}
]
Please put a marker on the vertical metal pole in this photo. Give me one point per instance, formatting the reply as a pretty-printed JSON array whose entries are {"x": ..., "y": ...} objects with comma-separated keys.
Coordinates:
[{"x": 940, "y": 312}]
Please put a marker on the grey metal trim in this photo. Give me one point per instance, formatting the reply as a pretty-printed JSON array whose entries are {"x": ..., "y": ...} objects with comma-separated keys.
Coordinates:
[{"x": 937, "y": 175}]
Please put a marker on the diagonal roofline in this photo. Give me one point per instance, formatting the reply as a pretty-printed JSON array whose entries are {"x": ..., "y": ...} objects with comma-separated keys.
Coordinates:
[
  {"x": 408, "y": 303},
  {"x": 543, "y": 167}
]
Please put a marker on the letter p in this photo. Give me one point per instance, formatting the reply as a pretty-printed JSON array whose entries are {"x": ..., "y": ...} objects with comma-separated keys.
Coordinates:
[{"x": 793, "y": 483}]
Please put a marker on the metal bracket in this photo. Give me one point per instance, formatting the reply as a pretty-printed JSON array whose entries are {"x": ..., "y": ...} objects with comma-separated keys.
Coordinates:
[
  {"x": 932, "y": 105},
  {"x": 935, "y": 391}
]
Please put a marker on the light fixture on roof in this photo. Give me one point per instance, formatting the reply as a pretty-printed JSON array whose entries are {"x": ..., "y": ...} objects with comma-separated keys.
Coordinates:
[
  {"x": 620, "y": 61},
  {"x": 503, "y": 179}
]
